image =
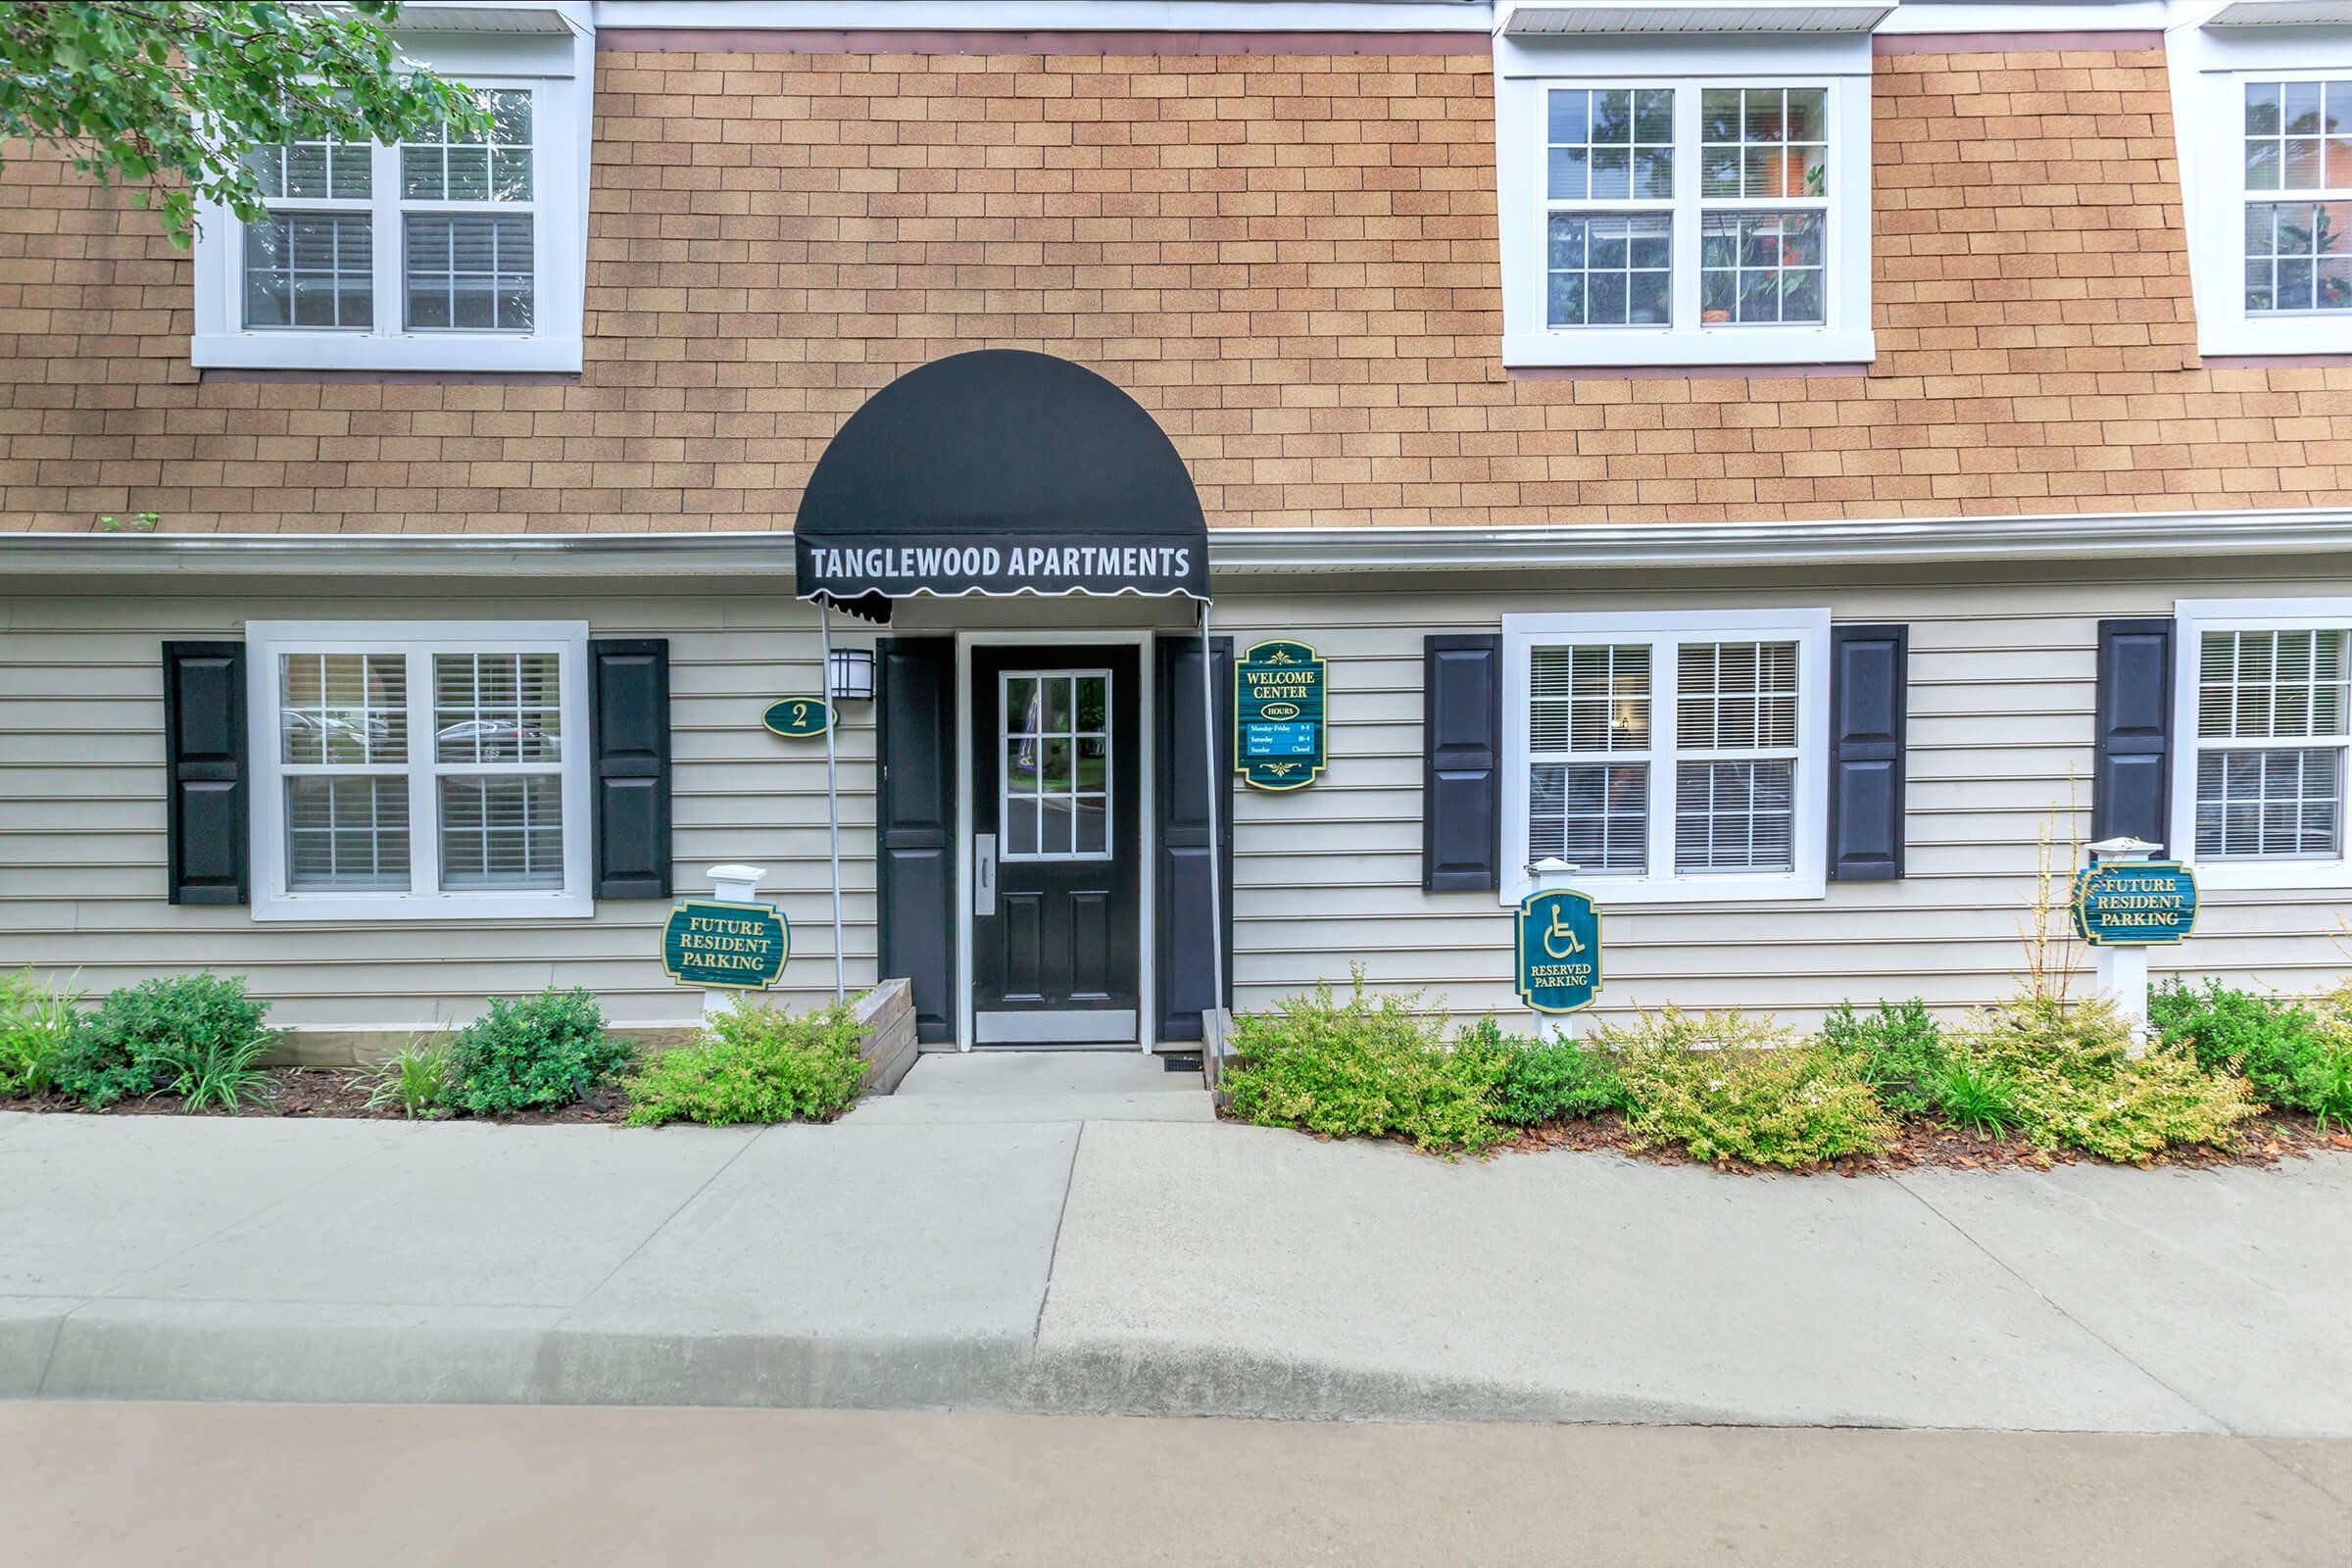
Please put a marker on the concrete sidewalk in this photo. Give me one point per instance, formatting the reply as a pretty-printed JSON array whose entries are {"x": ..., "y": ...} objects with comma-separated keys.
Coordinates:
[{"x": 1148, "y": 1266}]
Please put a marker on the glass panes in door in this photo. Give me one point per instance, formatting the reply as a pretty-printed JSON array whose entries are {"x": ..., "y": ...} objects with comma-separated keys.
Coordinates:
[{"x": 1053, "y": 789}]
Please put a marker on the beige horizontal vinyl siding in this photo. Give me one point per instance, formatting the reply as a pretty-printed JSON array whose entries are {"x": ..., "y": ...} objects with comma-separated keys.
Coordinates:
[
  {"x": 82, "y": 809},
  {"x": 2001, "y": 696}
]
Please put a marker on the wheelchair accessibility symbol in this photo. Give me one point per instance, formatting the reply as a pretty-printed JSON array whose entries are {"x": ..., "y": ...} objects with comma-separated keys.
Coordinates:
[{"x": 1558, "y": 952}]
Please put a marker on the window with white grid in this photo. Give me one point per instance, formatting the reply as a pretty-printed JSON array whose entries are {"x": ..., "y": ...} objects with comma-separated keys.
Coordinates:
[
  {"x": 1588, "y": 790},
  {"x": 2298, "y": 171},
  {"x": 1735, "y": 757},
  {"x": 454, "y": 250},
  {"x": 417, "y": 768},
  {"x": 312, "y": 262},
  {"x": 1674, "y": 755},
  {"x": 1686, "y": 219},
  {"x": 2271, "y": 737}
]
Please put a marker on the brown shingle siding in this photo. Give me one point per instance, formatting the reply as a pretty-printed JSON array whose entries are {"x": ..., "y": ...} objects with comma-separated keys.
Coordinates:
[{"x": 1290, "y": 260}]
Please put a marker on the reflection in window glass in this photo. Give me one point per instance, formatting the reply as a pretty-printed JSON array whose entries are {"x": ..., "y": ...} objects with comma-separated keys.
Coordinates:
[{"x": 1612, "y": 269}]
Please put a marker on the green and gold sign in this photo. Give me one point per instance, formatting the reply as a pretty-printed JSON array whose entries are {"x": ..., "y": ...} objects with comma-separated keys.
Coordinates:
[
  {"x": 727, "y": 947},
  {"x": 2136, "y": 902},
  {"x": 1278, "y": 716},
  {"x": 797, "y": 717},
  {"x": 1559, "y": 952}
]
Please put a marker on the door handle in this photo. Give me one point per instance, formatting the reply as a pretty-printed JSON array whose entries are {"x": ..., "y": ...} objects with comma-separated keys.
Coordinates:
[{"x": 984, "y": 874}]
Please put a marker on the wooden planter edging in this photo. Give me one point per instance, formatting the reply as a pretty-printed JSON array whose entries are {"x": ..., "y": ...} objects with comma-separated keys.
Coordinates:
[
  {"x": 887, "y": 1016},
  {"x": 1216, "y": 1031}
]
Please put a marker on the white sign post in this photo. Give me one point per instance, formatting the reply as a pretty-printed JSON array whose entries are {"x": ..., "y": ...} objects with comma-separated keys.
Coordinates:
[
  {"x": 2123, "y": 967},
  {"x": 731, "y": 884},
  {"x": 1551, "y": 875}
]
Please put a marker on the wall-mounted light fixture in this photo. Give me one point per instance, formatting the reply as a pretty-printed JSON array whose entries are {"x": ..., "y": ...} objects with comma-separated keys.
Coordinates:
[{"x": 853, "y": 675}]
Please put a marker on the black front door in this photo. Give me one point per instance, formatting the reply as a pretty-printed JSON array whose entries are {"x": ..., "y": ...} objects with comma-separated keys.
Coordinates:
[{"x": 1057, "y": 844}]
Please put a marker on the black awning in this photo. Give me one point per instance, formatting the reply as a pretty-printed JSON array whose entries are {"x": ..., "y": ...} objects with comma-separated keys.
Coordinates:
[{"x": 997, "y": 473}]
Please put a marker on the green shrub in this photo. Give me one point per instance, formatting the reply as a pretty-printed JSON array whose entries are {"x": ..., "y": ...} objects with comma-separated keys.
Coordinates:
[
  {"x": 1556, "y": 1080},
  {"x": 417, "y": 1079},
  {"x": 1366, "y": 1067},
  {"x": 37, "y": 1023},
  {"x": 754, "y": 1062},
  {"x": 534, "y": 1054},
  {"x": 1899, "y": 1050},
  {"x": 1724, "y": 1085},
  {"x": 197, "y": 1035},
  {"x": 2296, "y": 1056},
  {"x": 2079, "y": 1087}
]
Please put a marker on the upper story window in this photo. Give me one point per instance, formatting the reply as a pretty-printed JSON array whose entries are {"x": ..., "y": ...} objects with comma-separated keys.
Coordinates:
[
  {"x": 418, "y": 769},
  {"x": 1662, "y": 216},
  {"x": 449, "y": 252},
  {"x": 2263, "y": 121},
  {"x": 1668, "y": 756},
  {"x": 2298, "y": 196}
]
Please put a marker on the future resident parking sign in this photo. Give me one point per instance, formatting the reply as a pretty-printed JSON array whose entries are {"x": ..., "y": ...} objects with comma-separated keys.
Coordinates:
[
  {"x": 725, "y": 947},
  {"x": 1278, "y": 717},
  {"x": 1559, "y": 952},
  {"x": 2136, "y": 902}
]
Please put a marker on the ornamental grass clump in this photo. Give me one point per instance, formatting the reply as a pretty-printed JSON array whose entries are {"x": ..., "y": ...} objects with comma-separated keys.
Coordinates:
[
  {"x": 37, "y": 1023},
  {"x": 1367, "y": 1067},
  {"x": 1727, "y": 1087},
  {"x": 754, "y": 1062},
  {"x": 534, "y": 1054}
]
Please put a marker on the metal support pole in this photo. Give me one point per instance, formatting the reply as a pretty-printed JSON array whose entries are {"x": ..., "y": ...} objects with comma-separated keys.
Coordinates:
[
  {"x": 1216, "y": 861},
  {"x": 824, "y": 638}
]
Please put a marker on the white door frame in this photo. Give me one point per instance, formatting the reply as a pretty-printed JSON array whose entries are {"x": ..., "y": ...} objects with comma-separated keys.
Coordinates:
[{"x": 1146, "y": 1014}]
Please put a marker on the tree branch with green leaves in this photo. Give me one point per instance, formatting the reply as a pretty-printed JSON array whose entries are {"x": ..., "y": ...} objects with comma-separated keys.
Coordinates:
[{"x": 165, "y": 97}]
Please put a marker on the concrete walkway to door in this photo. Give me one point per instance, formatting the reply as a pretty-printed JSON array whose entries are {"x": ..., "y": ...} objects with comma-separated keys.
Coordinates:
[
  {"x": 1066, "y": 1264},
  {"x": 1001, "y": 1085}
]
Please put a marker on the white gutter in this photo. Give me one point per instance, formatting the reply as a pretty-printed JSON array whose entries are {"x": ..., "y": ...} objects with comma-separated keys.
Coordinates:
[{"x": 767, "y": 556}]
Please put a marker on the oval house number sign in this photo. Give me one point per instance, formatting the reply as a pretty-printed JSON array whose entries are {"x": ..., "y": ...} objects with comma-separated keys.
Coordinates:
[{"x": 797, "y": 717}]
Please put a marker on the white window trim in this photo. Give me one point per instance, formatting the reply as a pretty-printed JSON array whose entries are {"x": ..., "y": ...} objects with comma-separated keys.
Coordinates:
[
  {"x": 2192, "y": 619},
  {"x": 2209, "y": 69},
  {"x": 1810, "y": 629},
  {"x": 561, "y": 127},
  {"x": 267, "y": 640},
  {"x": 1526, "y": 70}
]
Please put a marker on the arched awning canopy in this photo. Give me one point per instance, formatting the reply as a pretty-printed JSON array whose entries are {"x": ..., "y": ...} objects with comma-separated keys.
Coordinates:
[{"x": 997, "y": 473}]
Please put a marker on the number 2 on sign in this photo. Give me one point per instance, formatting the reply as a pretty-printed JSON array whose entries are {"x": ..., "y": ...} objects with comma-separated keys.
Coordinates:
[{"x": 797, "y": 717}]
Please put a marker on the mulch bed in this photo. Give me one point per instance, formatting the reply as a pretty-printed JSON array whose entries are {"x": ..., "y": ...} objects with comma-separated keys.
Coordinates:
[
  {"x": 331, "y": 1092},
  {"x": 2265, "y": 1139}
]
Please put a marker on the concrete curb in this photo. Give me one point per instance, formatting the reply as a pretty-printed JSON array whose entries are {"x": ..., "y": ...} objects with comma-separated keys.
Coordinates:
[{"x": 304, "y": 1353}]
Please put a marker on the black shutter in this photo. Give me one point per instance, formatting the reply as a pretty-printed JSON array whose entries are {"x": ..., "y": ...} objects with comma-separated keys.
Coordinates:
[
  {"x": 2132, "y": 773},
  {"x": 204, "y": 762},
  {"x": 629, "y": 684},
  {"x": 1869, "y": 669},
  {"x": 1185, "y": 850},
  {"x": 915, "y": 720},
  {"x": 1461, "y": 762}
]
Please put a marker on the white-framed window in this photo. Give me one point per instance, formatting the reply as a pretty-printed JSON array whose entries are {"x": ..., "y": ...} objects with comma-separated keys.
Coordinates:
[
  {"x": 1665, "y": 217},
  {"x": 2261, "y": 698},
  {"x": 443, "y": 253},
  {"x": 418, "y": 769},
  {"x": 1053, "y": 784},
  {"x": 1669, "y": 755},
  {"x": 2263, "y": 119}
]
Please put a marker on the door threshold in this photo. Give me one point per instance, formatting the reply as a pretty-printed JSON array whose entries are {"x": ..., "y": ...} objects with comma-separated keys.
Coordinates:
[{"x": 1009, "y": 1047}]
